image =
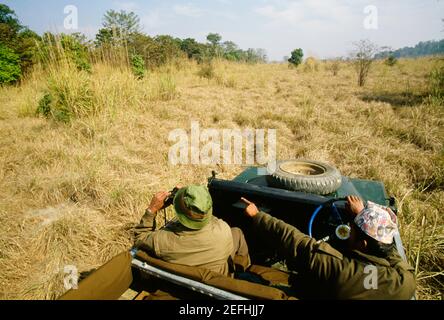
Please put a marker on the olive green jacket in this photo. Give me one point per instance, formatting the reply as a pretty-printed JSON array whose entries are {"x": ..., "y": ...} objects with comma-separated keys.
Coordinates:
[
  {"x": 208, "y": 247},
  {"x": 322, "y": 272}
]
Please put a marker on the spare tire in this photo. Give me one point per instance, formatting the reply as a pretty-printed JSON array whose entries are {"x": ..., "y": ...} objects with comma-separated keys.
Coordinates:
[{"x": 306, "y": 176}]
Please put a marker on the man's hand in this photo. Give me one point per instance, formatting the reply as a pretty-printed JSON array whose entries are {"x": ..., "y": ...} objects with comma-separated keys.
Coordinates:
[
  {"x": 251, "y": 210},
  {"x": 354, "y": 205},
  {"x": 158, "y": 201}
]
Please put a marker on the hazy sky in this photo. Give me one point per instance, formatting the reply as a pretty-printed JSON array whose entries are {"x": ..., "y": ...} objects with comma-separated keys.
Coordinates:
[{"x": 322, "y": 28}]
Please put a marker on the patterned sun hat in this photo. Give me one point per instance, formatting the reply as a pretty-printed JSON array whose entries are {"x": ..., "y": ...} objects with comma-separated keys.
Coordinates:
[{"x": 378, "y": 222}]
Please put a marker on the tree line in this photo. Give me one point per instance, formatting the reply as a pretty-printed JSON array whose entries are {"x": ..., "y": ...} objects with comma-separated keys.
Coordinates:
[
  {"x": 21, "y": 48},
  {"x": 423, "y": 48}
]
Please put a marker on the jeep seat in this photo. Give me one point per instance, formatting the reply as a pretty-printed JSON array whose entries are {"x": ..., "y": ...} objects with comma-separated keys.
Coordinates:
[{"x": 239, "y": 287}]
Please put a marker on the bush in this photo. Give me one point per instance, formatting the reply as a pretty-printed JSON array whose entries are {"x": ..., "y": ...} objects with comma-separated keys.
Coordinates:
[
  {"x": 311, "y": 65},
  {"x": 76, "y": 51},
  {"x": 206, "y": 70},
  {"x": 436, "y": 83},
  {"x": 138, "y": 66},
  {"x": 156, "y": 51},
  {"x": 363, "y": 57},
  {"x": 59, "y": 49},
  {"x": 334, "y": 67},
  {"x": 391, "y": 61},
  {"x": 296, "y": 57},
  {"x": 44, "y": 107},
  {"x": 10, "y": 70},
  {"x": 165, "y": 88},
  {"x": 69, "y": 95}
]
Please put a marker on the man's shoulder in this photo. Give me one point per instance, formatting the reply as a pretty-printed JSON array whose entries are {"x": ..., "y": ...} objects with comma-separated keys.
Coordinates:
[
  {"x": 323, "y": 248},
  {"x": 216, "y": 220},
  {"x": 218, "y": 223}
]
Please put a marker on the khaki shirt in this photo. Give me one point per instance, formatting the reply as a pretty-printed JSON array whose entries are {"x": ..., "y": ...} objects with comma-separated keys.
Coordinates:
[
  {"x": 322, "y": 272},
  {"x": 208, "y": 247}
]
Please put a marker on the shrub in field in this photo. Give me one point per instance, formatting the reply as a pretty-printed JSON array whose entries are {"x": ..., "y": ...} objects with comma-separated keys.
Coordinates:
[
  {"x": 363, "y": 58},
  {"x": 138, "y": 66},
  {"x": 334, "y": 67},
  {"x": 229, "y": 82},
  {"x": 63, "y": 48},
  {"x": 391, "y": 61},
  {"x": 10, "y": 70},
  {"x": 206, "y": 70},
  {"x": 156, "y": 51},
  {"x": 165, "y": 88},
  {"x": 44, "y": 107},
  {"x": 311, "y": 65},
  {"x": 436, "y": 83},
  {"x": 296, "y": 57},
  {"x": 67, "y": 96}
]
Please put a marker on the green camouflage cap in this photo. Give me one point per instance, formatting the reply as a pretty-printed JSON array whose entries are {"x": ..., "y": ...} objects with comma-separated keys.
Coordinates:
[{"x": 193, "y": 206}]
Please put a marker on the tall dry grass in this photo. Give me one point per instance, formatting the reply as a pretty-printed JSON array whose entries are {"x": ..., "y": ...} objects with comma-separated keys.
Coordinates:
[{"x": 71, "y": 192}]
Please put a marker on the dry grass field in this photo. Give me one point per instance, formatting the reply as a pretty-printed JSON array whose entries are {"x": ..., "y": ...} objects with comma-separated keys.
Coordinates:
[{"x": 71, "y": 192}]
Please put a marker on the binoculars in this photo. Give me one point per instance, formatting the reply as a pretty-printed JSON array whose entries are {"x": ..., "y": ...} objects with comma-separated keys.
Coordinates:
[{"x": 169, "y": 200}]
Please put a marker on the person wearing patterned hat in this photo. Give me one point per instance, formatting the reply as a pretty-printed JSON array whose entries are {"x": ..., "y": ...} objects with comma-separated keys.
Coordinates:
[
  {"x": 195, "y": 237},
  {"x": 374, "y": 226},
  {"x": 371, "y": 268}
]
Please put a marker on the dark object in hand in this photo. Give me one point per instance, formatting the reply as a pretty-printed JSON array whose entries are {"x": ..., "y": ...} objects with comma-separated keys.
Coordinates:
[{"x": 169, "y": 200}]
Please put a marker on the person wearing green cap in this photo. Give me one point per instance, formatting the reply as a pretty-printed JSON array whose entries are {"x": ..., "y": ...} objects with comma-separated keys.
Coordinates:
[{"x": 195, "y": 237}]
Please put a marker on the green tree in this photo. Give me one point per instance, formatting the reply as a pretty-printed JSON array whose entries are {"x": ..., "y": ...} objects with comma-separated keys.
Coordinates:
[
  {"x": 76, "y": 51},
  {"x": 10, "y": 70},
  {"x": 105, "y": 37},
  {"x": 192, "y": 48},
  {"x": 8, "y": 17},
  {"x": 256, "y": 55},
  {"x": 214, "y": 39},
  {"x": 125, "y": 22},
  {"x": 64, "y": 46},
  {"x": 81, "y": 39},
  {"x": 231, "y": 51},
  {"x": 17, "y": 37},
  {"x": 168, "y": 47},
  {"x": 155, "y": 51},
  {"x": 118, "y": 27},
  {"x": 215, "y": 47},
  {"x": 296, "y": 57},
  {"x": 391, "y": 60}
]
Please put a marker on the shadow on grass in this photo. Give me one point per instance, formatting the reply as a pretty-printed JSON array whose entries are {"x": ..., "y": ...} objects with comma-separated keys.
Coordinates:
[{"x": 396, "y": 99}]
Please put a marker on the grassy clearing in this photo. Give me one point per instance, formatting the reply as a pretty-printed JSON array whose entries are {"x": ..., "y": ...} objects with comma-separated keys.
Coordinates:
[{"x": 71, "y": 191}]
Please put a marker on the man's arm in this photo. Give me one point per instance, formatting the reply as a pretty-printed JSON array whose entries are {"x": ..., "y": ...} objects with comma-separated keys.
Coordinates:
[
  {"x": 302, "y": 252},
  {"x": 144, "y": 230},
  {"x": 405, "y": 273},
  {"x": 289, "y": 237},
  {"x": 147, "y": 225}
]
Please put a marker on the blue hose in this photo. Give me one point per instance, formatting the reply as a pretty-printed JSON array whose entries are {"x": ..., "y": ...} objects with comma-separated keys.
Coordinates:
[
  {"x": 313, "y": 216},
  {"x": 315, "y": 213}
]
